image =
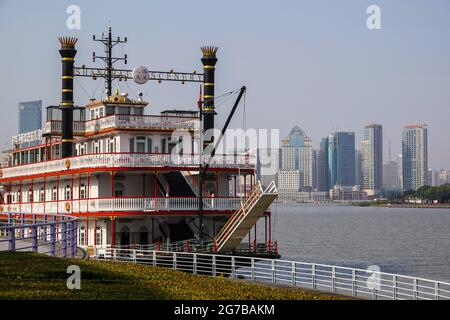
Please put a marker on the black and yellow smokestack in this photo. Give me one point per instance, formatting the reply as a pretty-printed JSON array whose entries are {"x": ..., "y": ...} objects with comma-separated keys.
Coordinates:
[
  {"x": 209, "y": 61},
  {"x": 68, "y": 53}
]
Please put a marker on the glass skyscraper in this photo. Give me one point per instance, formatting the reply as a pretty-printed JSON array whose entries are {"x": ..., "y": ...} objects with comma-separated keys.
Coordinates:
[
  {"x": 30, "y": 116},
  {"x": 372, "y": 159},
  {"x": 415, "y": 156},
  {"x": 297, "y": 155},
  {"x": 341, "y": 158},
  {"x": 323, "y": 173}
]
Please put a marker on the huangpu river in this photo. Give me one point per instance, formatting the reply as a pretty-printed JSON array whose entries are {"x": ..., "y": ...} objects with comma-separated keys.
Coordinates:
[{"x": 413, "y": 242}]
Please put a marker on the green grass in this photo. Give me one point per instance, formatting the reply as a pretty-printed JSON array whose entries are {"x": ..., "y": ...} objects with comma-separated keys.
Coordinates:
[{"x": 33, "y": 276}]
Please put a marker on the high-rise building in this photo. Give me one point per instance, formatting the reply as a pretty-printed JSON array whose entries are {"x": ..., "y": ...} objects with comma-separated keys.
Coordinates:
[
  {"x": 372, "y": 159},
  {"x": 391, "y": 181},
  {"x": 400, "y": 171},
  {"x": 323, "y": 174},
  {"x": 415, "y": 156},
  {"x": 30, "y": 116},
  {"x": 443, "y": 177},
  {"x": 341, "y": 158},
  {"x": 314, "y": 169},
  {"x": 297, "y": 155},
  {"x": 358, "y": 168}
]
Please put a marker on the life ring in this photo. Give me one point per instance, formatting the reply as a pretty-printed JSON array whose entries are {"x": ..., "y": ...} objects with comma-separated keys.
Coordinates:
[
  {"x": 1, "y": 208},
  {"x": 67, "y": 206},
  {"x": 67, "y": 163},
  {"x": 1, "y": 173}
]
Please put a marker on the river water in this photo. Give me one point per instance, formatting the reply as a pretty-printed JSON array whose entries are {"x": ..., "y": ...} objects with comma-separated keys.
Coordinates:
[{"x": 413, "y": 242}]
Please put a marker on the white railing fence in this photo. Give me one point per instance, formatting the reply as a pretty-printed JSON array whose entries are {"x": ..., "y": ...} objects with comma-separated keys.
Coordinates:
[
  {"x": 120, "y": 160},
  {"x": 360, "y": 283},
  {"x": 123, "y": 204}
]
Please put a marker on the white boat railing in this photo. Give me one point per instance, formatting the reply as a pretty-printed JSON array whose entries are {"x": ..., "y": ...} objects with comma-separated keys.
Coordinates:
[
  {"x": 134, "y": 160},
  {"x": 124, "y": 121},
  {"x": 353, "y": 282},
  {"x": 123, "y": 204}
]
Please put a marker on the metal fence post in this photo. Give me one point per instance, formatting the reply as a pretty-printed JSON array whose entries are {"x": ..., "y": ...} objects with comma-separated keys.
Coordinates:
[
  {"x": 74, "y": 238},
  {"x": 214, "y": 265},
  {"x": 12, "y": 239},
  {"x": 194, "y": 267},
  {"x": 53, "y": 239},
  {"x": 333, "y": 279},
  {"x": 233, "y": 268},
  {"x": 436, "y": 291},
  {"x": 114, "y": 254},
  {"x": 274, "y": 280},
  {"x": 415, "y": 289},
  {"x": 154, "y": 258},
  {"x": 174, "y": 261},
  {"x": 35, "y": 239},
  {"x": 354, "y": 282},
  {"x": 252, "y": 268},
  {"x": 64, "y": 238},
  {"x": 294, "y": 281},
  {"x": 313, "y": 276},
  {"x": 394, "y": 287},
  {"x": 134, "y": 255}
]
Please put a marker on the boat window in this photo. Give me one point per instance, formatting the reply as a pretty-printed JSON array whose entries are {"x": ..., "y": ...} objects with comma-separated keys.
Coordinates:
[
  {"x": 137, "y": 111},
  {"x": 109, "y": 110},
  {"x": 82, "y": 191},
  {"x": 119, "y": 189},
  {"x": 41, "y": 194},
  {"x": 140, "y": 144},
  {"x": 82, "y": 236},
  {"x": 124, "y": 110},
  {"x": 98, "y": 236},
  {"x": 131, "y": 144},
  {"x": 149, "y": 145},
  {"x": 54, "y": 194},
  {"x": 67, "y": 193}
]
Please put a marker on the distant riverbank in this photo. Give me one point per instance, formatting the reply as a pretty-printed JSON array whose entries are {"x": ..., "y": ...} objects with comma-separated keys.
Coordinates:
[{"x": 401, "y": 205}]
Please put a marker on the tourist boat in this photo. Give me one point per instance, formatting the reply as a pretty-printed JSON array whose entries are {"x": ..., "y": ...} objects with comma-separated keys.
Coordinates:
[{"x": 113, "y": 165}]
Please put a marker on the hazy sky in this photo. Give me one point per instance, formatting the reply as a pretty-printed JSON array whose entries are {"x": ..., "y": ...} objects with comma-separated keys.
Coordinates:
[{"x": 308, "y": 63}]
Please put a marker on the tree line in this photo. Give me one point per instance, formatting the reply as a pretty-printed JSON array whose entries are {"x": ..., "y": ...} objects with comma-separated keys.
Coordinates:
[{"x": 441, "y": 193}]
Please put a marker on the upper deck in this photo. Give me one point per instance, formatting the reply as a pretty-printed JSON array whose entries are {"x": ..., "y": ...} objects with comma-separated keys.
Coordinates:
[{"x": 116, "y": 161}]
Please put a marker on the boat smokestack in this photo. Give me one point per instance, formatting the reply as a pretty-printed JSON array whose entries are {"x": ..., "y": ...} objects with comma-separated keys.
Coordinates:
[
  {"x": 209, "y": 61},
  {"x": 67, "y": 53}
]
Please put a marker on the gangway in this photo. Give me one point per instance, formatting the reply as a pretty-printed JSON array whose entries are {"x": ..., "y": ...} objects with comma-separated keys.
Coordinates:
[{"x": 241, "y": 222}]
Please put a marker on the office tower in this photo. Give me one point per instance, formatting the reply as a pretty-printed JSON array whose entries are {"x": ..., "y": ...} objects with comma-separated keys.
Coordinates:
[
  {"x": 297, "y": 155},
  {"x": 391, "y": 180},
  {"x": 400, "y": 171},
  {"x": 341, "y": 158},
  {"x": 30, "y": 116},
  {"x": 314, "y": 169},
  {"x": 323, "y": 175},
  {"x": 415, "y": 156},
  {"x": 443, "y": 177},
  {"x": 358, "y": 168},
  {"x": 372, "y": 159}
]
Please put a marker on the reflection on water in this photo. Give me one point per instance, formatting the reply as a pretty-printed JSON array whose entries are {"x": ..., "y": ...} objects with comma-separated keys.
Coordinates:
[{"x": 412, "y": 242}]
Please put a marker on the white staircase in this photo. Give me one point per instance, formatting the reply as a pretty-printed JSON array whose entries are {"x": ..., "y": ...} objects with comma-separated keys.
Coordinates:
[{"x": 241, "y": 221}]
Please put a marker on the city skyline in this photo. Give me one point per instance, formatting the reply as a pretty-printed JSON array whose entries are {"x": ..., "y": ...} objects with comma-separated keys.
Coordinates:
[{"x": 394, "y": 76}]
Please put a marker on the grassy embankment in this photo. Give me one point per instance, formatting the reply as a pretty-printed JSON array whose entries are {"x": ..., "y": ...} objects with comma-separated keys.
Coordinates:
[{"x": 33, "y": 276}]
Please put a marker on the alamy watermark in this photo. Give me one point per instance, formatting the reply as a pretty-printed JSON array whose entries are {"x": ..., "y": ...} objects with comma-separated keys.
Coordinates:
[
  {"x": 374, "y": 19},
  {"x": 73, "y": 21},
  {"x": 74, "y": 280},
  {"x": 374, "y": 278}
]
